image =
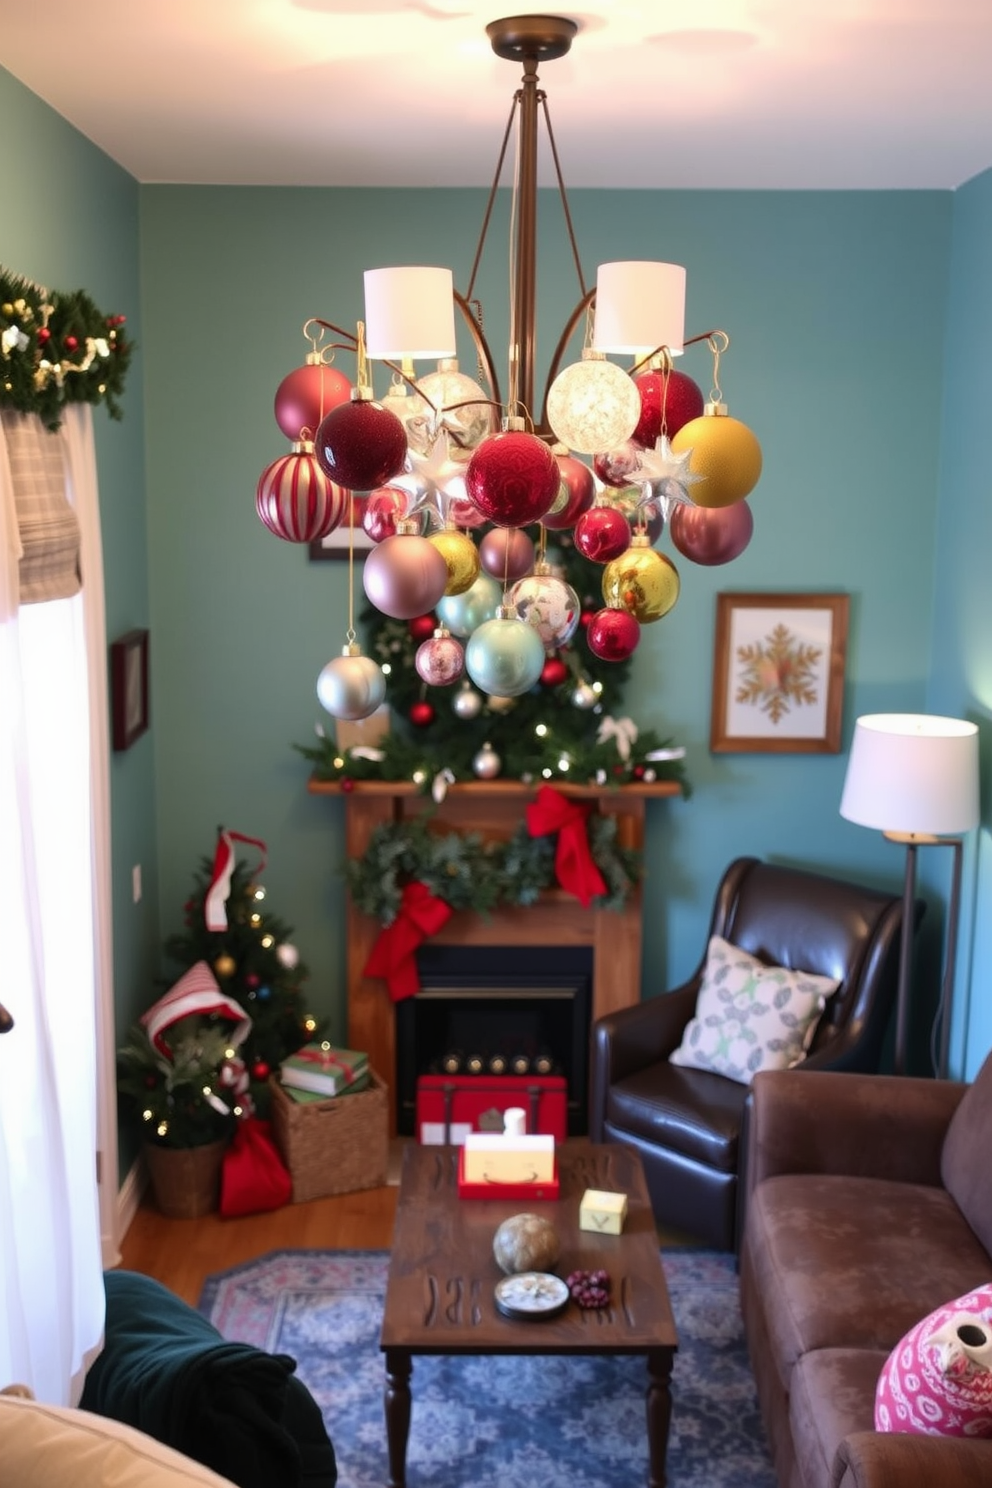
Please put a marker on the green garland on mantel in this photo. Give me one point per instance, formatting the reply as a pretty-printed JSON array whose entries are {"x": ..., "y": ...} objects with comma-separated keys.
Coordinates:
[
  {"x": 57, "y": 348},
  {"x": 468, "y": 873}
]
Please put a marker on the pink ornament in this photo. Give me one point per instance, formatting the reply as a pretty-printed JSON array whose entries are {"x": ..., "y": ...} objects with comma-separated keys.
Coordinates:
[
  {"x": 440, "y": 660},
  {"x": 602, "y": 534},
  {"x": 296, "y": 500},
  {"x": 507, "y": 554},
  {"x": 465, "y": 513},
  {"x": 404, "y": 576},
  {"x": 612, "y": 635},
  {"x": 711, "y": 535},
  {"x": 361, "y": 445},
  {"x": 616, "y": 466},
  {"x": 512, "y": 478},
  {"x": 579, "y": 491},
  {"x": 304, "y": 396},
  {"x": 383, "y": 508},
  {"x": 676, "y": 396}
]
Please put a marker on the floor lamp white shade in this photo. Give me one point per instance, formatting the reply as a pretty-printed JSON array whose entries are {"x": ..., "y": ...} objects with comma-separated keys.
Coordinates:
[{"x": 914, "y": 776}]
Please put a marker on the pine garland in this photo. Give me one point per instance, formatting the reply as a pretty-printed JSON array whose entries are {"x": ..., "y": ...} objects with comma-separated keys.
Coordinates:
[
  {"x": 468, "y": 873},
  {"x": 57, "y": 348}
]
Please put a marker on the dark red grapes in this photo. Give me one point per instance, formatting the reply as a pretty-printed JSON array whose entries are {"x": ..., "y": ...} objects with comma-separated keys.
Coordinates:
[{"x": 589, "y": 1288}]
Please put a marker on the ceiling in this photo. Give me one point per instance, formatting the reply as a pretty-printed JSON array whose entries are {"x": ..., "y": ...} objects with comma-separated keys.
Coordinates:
[{"x": 665, "y": 93}]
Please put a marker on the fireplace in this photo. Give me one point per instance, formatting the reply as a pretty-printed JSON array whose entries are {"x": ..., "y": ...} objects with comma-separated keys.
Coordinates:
[{"x": 494, "y": 1010}]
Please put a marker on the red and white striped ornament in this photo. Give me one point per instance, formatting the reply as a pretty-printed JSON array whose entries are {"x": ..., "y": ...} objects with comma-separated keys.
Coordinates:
[{"x": 296, "y": 500}]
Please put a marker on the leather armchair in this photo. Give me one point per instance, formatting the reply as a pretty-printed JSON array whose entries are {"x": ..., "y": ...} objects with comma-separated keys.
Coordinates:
[{"x": 687, "y": 1123}]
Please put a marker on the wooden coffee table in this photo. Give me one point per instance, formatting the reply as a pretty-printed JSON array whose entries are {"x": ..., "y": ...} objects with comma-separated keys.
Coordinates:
[{"x": 439, "y": 1293}]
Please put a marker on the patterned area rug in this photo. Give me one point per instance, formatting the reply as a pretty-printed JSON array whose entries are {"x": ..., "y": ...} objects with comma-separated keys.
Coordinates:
[{"x": 502, "y": 1422}]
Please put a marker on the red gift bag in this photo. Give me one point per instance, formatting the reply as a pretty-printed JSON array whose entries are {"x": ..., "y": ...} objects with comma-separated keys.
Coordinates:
[{"x": 254, "y": 1177}]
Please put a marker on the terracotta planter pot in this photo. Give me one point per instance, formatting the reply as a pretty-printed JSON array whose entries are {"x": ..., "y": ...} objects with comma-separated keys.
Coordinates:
[{"x": 186, "y": 1180}]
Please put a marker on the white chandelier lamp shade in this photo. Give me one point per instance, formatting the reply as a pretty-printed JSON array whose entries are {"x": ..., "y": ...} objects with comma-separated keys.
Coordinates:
[
  {"x": 409, "y": 312},
  {"x": 640, "y": 306},
  {"x": 593, "y": 405},
  {"x": 914, "y": 774}
]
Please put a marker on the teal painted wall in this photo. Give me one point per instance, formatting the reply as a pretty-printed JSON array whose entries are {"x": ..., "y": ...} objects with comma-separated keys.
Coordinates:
[
  {"x": 70, "y": 220},
  {"x": 835, "y": 304}
]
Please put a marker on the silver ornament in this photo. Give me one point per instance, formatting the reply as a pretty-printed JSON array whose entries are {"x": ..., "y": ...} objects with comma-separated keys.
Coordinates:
[
  {"x": 584, "y": 696},
  {"x": 487, "y": 763},
  {"x": 351, "y": 686},
  {"x": 467, "y": 703}
]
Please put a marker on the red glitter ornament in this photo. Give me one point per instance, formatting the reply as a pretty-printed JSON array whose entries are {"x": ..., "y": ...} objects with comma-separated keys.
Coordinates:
[
  {"x": 681, "y": 400},
  {"x": 602, "y": 534},
  {"x": 361, "y": 445},
  {"x": 512, "y": 478},
  {"x": 421, "y": 714}
]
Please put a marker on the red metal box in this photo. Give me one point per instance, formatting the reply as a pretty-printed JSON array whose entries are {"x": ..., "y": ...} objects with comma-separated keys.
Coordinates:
[{"x": 451, "y": 1106}]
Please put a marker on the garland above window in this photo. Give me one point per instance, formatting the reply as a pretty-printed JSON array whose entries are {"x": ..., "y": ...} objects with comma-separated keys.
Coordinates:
[{"x": 58, "y": 348}]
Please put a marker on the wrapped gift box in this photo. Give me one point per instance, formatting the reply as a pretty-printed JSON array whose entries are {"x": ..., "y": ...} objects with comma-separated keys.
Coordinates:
[
  {"x": 451, "y": 1106},
  {"x": 332, "y": 1146},
  {"x": 325, "y": 1069}
]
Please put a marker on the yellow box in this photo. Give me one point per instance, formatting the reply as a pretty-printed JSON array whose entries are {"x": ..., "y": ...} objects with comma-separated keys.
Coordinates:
[
  {"x": 603, "y": 1212},
  {"x": 491, "y": 1157}
]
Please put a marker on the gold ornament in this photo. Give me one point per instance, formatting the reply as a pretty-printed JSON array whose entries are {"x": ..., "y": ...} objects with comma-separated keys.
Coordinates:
[
  {"x": 461, "y": 557},
  {"x": 642, "y": 582},
  {"x": 225, "y": 966},
  {"x": 724, "y": 452}
]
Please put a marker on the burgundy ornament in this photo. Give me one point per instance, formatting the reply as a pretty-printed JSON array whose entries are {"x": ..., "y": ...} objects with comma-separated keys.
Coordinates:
[
  {"x": 711, "y": 535},
  {"x": 421, "y": 714},
  {"x": 361, "y": 445},
  {"x": 612, "y": 635},
  {"x": 383, "y": 508},
  {"x": 615, "y": 467},
  {"x": 422, "y": 627},
  {"x": 512, "y": 478},
  {"x": 296, "y": 500},
  {"x": 602, "y": 534},
  {"x": 554, "y": 672},
  {"x": 683, "y": 400},
  {"x": 507, "y": 554},
  {"x": 440, "y": 660},
  {"x": 579, "y": 488},
  {"x": 304, "y": 396},
  {"x": 404, "y": 576}
]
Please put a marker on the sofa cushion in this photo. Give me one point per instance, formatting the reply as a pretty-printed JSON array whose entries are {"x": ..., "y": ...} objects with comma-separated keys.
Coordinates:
[
  {"x": 750, "y": 1016},
  {"x": 937, "y": 1381},
  {"x": 964, "y": 1160},
  {"x": 831, "y": 1395},
  {"x": 844, "y": 1262},
  {"x": 64, "y": 1448}
]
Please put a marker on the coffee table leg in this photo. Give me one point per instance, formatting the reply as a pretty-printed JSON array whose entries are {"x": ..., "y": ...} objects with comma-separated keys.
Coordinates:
[
  {"x": 658, "y": 1400},
  {"x": 399, "y": 1367}
]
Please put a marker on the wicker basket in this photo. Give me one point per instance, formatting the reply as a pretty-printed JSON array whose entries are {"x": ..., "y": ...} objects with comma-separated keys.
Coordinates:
[
  {"x": 332, "y": 1146},
  {"x": 186, "y": 1180}
]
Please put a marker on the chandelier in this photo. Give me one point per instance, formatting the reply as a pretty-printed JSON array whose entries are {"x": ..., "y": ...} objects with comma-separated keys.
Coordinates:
[{"x": 450, "y": 478}]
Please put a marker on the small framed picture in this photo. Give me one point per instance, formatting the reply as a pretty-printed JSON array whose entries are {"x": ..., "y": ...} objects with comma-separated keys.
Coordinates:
[
  {"x": 343, "y": 539},
  {"x": 778, "y": 673},
  {"x": 129, "y": 688}
]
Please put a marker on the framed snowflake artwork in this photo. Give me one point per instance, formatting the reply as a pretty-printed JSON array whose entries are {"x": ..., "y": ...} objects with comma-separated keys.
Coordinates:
[{"x": 778, "y": 674}]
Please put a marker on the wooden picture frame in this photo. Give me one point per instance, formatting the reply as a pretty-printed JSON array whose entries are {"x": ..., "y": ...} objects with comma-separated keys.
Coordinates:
[
  {"x": 336, "y": 545},
  {"x": 129, "y": 688},
  {"x": 778, "y": 673}
]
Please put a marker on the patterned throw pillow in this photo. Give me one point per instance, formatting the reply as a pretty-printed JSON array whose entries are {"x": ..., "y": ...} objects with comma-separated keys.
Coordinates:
[
  {"x": 750, "y": 1016},
  {"x": 938, "y": 1380}
]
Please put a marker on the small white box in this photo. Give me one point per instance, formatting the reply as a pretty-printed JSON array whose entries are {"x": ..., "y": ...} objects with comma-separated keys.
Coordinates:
[
  {"x": 491, "y": 1157},
  {"x": 602, "y": 1212}
]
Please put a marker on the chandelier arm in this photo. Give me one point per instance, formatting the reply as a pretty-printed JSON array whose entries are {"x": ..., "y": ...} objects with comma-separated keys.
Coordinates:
[
  {"x": 563, "y": 340},
  {"x": 563, "y": 194},
  {"x": 492, "y": 197},
  {"x": 481, "y": 345},
  {"x": 351, "y": 341}
]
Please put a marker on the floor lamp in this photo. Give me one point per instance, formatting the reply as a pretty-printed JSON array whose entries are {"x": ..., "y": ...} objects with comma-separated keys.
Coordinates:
[{"x": 914, "y": 777}]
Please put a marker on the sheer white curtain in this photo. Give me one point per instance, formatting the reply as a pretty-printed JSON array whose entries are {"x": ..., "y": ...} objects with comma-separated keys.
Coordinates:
[{"x": 55, "y": 969}]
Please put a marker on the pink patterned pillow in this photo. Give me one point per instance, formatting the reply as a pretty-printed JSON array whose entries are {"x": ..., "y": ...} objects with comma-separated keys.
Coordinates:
[{"x": 938, "y": 1380}]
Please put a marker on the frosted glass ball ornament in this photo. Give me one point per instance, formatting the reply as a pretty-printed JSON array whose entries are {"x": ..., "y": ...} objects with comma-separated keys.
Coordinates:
[
  {"x": 464, "y": 613},
  {"x": 593, "y": 405},
  {"x": 351, "y": 686},
  {"x": 462, "y": 410},
  {"x": 548, "y": 604},
  {"x": 504, "y": 656}
]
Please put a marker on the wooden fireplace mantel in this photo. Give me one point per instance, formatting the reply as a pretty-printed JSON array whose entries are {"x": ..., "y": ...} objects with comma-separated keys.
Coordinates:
[{"x": 493, "y": 809}]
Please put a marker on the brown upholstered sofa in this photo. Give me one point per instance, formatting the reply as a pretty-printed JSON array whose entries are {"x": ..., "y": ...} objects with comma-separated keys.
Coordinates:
[{"x": 869, "y": 1204}]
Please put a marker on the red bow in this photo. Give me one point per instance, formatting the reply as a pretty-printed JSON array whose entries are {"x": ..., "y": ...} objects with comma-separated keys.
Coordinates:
[
  {"x": 577, "y": 873},
  {"x": 421, "y": 914}
]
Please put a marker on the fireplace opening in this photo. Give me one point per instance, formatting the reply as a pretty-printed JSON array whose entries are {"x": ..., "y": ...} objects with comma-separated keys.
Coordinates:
[{"x": 492, "y": 1010}]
